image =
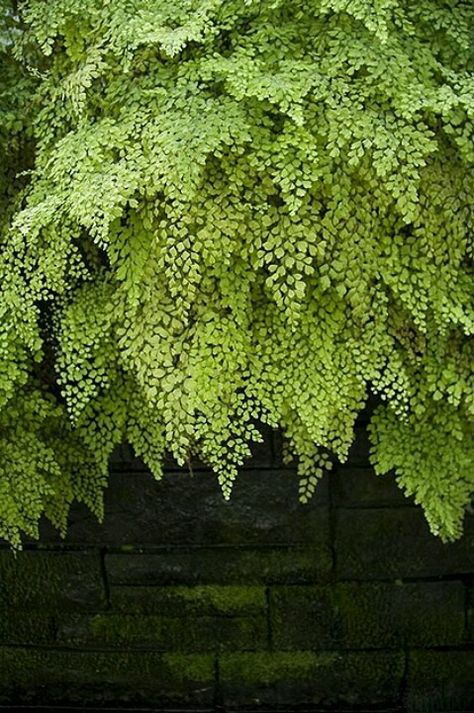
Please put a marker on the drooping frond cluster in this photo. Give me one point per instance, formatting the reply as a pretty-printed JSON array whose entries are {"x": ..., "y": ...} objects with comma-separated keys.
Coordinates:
[{"x": 234, "y": 213}]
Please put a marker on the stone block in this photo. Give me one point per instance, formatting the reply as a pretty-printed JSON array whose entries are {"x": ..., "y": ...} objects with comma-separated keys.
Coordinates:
[
  {"x": 25, "y": 627},
  {"x": 49, "y": 580},
  {"x": 180, "y": 509},
  {"x": 81, "y": 678},
  {"x": 322, "y": 680},
  {"x": 386, "y": 543},
  {"x": 199, "y": 600},
  {"x": 373, "y": 615},
  {"x": 220, "y": 565},
  {"x": 470, "y": 613},
  {"x": 164, "y": 633},
  {"x": 361, "y": 487},
  {"x": 440, "y": 681}
]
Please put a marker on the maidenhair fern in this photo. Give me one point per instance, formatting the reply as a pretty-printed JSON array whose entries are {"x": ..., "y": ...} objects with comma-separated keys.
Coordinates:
[{"x": 217, "y": 214}]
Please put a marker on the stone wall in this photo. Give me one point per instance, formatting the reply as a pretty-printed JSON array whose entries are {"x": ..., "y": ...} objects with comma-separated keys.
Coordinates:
[{"x": 180, "y": 600}]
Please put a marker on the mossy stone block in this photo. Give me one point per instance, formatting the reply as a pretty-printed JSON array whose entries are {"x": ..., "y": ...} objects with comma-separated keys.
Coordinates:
[
  {"x": 391, "y": 543},
  {"x": 440, "y": 681},
  {"x": 50, "y": 580},
  {"x": 83, "y": 678},
  {"x": 304, "y": 678},
  {"x": 221, "y": 565},
  {"x": 159, "y": 633},
  {"x": 360, "y": 615},
  {"x": 199, "y": 600},
  {"x": 18, "y": 627}
]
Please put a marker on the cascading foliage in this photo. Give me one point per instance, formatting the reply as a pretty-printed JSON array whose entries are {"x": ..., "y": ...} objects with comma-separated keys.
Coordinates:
[{"x": 217, "y": 214}]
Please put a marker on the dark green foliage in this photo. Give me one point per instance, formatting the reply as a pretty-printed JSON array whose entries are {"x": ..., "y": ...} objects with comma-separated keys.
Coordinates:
[{"x": 235, "y": 211}]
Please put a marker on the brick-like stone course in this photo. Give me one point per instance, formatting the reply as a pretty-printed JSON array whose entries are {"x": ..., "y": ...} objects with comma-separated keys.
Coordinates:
[
  {"x": 180, "y": 600},
  {"x": 386, "y": 543},
  {"x": 354, "y": 487},
  {"x": 220, "y": 565},
  {"x": 182, "y": 509},
  {"x": 440, "y": 680},
  {"x": 306, "y": 678},
  {"x": 164, "y": 633},
  {"x": 368, "y": 615},
  {"x": 204, "y": 600},
  {"x": 57, "y": 676},
  {"x": 51, "y": 580}
]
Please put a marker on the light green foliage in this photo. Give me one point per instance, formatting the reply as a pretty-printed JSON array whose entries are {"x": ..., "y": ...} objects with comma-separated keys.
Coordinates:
[{"x": 235, "y": 212}]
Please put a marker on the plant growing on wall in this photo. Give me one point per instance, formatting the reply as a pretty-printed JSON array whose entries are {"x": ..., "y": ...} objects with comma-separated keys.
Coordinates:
[{"x": 217, "y": 214}]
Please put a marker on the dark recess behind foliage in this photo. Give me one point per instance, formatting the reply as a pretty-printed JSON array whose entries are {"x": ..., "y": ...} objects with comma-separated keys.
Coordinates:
[{"x": 180, "y": 600}]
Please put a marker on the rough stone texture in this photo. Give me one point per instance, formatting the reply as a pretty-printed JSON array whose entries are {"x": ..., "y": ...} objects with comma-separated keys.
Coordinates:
[
  {"x": 220, "y": 565},
  {"x": 204, "y": 600},
  {"x": 80, "y": 677},
  {"x": 180, "y": 509},
  {"x": 440, "y": 681},
  {"x": 323, "y": 680},
  {"x": 203, "y": 633},
  {"x": 378, "y": 615},
  {"x": 180, "y": 601},
  {"x": 48, "y": 580},
  {"x": 19, "y": 627},
  {"x": 380, "y": 543},
  {"x": 361, "y": 487},
  {"x": 470, "y": 613}
]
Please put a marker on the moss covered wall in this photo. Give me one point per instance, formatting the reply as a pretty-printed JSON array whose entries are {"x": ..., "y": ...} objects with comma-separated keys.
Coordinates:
[{"x": 180, "y": 600}]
